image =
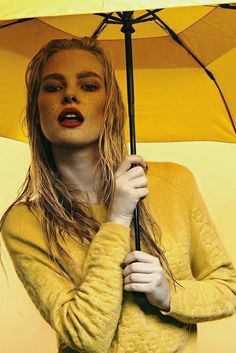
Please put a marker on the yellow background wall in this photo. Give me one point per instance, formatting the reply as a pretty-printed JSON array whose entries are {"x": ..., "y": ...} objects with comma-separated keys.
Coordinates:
[{"x": 22, "y": 329}]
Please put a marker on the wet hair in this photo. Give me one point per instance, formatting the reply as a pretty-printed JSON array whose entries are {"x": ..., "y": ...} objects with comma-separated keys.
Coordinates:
[{"x": 61, "y": 211}]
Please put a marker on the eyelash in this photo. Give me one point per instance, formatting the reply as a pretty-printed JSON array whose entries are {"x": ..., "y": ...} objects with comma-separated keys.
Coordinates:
[{"x": 48, "y": 88}]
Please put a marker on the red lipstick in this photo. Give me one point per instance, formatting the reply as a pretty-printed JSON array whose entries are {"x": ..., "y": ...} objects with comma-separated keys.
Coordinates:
[{"x": 70, "y": 117}]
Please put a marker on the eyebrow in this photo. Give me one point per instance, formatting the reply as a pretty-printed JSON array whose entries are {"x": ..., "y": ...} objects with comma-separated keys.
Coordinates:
[{"x": 80, "y": 75}]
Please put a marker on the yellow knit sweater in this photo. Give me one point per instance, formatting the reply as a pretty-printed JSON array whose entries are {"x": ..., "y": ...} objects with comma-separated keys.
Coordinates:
[{"x": 97, "y": 316}]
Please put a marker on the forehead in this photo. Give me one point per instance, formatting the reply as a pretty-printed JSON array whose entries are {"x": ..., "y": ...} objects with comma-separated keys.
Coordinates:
[{"x": 72, "y": 61}]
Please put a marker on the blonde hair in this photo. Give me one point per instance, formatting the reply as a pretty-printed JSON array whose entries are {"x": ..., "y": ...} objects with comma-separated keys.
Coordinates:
[{"x": 62, "y": 213}]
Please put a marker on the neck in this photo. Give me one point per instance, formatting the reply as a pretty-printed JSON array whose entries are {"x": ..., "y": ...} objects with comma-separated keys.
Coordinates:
[{"x": 77, "y": 169}]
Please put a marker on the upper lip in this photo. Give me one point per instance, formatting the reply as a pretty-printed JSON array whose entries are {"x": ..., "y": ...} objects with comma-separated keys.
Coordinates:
[{"x": 70, "y": 111}]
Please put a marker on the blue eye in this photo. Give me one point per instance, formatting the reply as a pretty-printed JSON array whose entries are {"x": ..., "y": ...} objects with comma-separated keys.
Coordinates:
[
  {"x": 89, "y": 87},
  {"x": 52, "y": 88}
]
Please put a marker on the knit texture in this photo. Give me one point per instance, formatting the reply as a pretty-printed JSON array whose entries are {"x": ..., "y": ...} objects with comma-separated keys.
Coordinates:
[{"x": 97, "y": 316}]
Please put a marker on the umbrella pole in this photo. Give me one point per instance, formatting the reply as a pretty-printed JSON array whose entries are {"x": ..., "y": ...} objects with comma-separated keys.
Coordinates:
[{"x": 128, "y": 29}]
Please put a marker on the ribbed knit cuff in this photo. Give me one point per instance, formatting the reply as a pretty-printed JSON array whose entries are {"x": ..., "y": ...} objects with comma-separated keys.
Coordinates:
[
  {"x": 175, "y": 301},
  {"x": 115, "y": 228}
]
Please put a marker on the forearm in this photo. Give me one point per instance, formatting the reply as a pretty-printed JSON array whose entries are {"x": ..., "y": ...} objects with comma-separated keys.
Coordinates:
[
  {"x": 84, "y": 317},
  {"x": 200, "y": 301},
  {"x": 92, "y": 316}
]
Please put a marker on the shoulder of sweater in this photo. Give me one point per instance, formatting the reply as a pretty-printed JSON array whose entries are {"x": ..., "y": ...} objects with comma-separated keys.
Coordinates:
[
  {"x": 19, "y": 216},
  {"x": 20, "y": 210},
  {"x": 173, "y": 174}
]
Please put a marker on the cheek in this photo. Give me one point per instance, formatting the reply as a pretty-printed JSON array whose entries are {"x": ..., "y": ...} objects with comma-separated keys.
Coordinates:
[
  {"x": 101, "y": 105},
  {"x": 45, "y": 107},
  {"x": 40, "y": 102},
  {"x": 41, "y": 107}
]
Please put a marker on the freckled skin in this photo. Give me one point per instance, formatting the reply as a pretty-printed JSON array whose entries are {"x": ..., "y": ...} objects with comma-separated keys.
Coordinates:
[{"x": 69, "y": 63}]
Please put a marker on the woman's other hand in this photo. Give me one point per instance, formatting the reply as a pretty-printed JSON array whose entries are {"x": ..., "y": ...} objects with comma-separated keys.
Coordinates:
[
  {"x": 131, "y": 186},
  {"x": 144, "y": 273}
]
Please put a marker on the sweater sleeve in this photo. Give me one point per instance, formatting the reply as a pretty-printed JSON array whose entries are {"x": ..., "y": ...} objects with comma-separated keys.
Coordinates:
[
  {"x": 85, "y": 319},
  {"x": 211, "y": 294}
]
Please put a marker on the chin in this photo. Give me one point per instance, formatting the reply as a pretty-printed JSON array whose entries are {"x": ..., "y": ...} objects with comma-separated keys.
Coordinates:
[{"x": 74, "y": 144}]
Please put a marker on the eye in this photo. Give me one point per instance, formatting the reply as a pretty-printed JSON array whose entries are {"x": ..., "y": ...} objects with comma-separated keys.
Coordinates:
[
  {"x": 51, "y": 88},
  {"x": 89, "y": 87}
]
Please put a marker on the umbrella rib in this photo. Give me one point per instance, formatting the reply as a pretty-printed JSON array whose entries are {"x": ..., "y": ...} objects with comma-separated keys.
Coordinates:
[
  {"x": 144, "y": 20},
  {"x": 226, "y": 105},
  {"x": 110, "y": 17},
  {"x": 16, "y": 22},
  {"x": 228, "y": 6},
  {"x": 120, "y": 14},
  {"x": 113, "y": 22},
  {"x": 148, "y": 14},
  {"x": 208, "y": 72},
  {"x": 102, "y": 25}
]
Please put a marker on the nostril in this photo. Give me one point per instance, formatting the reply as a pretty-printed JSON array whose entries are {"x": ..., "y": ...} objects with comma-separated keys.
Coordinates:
[
  {"x": 74, "y": 99},
  {"x": 70, "y": 98},
  {"x": 65, "y": 99}
]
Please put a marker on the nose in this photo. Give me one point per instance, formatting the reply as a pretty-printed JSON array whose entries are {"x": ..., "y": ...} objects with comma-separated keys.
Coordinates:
[{"x": 70, "y": 98}]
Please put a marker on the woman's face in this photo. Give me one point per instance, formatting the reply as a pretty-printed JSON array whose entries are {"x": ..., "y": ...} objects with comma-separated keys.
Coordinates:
[{"x": 72, "y": 73}]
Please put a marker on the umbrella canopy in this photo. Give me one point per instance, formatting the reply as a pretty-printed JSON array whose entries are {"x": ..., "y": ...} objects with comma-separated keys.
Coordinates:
[{"x": 184, "y": 60}]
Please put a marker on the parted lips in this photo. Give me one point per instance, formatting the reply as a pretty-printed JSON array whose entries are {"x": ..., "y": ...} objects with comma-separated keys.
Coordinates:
[{"x": 70, "y": 114}]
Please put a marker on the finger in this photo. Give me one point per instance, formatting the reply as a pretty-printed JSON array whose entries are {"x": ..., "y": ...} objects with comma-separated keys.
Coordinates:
[
  {"x": 140, "y": 256},
  {"x": 139, "y": 267},
  {"x": 127, "y": 163},
  {"x": 139, "y": 182},
  {"x": 142, "y": 193},
  {"x": 132, "y": 174},
  {"x": 137, "y": 287},
  {"x": 135, "y": 173},
  {"x": 138, "y": 278}
]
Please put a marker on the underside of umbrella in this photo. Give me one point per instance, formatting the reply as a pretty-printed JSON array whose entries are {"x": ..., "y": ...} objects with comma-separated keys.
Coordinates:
[{"x": 184, "y": 67}]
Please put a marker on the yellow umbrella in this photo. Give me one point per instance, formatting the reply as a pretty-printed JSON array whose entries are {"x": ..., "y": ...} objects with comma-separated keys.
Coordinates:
[
  {"x": 175, "y": 98},
  {"x": 184, "y": 59}
]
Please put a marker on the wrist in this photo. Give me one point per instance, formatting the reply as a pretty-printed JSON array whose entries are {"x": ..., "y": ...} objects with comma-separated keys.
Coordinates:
[
  {"x": 165, "y": 306},
  {"x": 119, "y": 220}
]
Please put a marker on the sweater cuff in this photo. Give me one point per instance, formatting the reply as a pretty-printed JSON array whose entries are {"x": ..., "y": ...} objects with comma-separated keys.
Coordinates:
[
  {"x": 115, "y": 228},
  {"x": 175, "y": 301}
]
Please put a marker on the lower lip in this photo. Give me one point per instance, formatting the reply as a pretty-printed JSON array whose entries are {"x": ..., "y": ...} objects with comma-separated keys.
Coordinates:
[{"x": 71, "y": 123}]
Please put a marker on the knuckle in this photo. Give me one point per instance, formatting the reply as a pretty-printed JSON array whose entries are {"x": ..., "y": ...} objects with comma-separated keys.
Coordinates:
[
  {"x": 158, "y": 280},
  {"x": 158, "y": 267},
  {"x": 132, "y": 266},
  {"x": 156, "y": 260},
  {"x": 133, "y": 286},
  {"x": 145, "y": 192},
  {"x": 151, "y": 287},
  {"x": 134, "y": 158},
  {"x": 145, "y": 180},
  {"x": 139, "y": 169},
  {"x": 132, "y": 277}
]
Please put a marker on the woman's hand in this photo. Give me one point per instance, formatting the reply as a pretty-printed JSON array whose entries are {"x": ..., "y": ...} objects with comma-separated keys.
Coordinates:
[
  {"x": 146, "y": 276},
  {"x": 130, "y": 187}
]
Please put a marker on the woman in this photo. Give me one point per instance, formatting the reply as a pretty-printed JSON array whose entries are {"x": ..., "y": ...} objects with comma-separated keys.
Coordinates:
[{"x": 70, "y": 233}]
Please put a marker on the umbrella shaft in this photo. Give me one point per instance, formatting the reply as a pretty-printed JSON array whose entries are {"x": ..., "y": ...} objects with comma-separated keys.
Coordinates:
[
  {"x": 130, "y": 90},
  {"x": 127, "y": 29},
  {"x": 136, "y": 229}
]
